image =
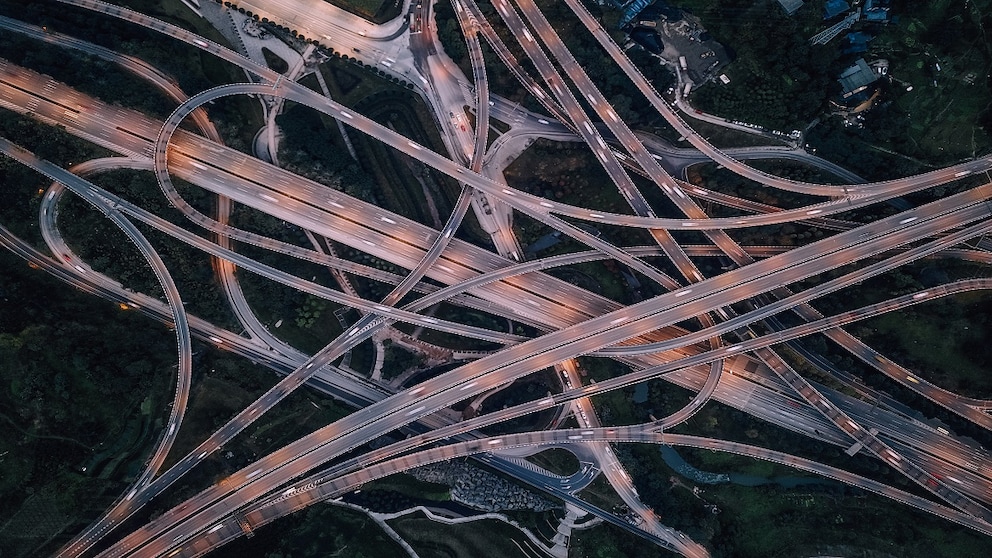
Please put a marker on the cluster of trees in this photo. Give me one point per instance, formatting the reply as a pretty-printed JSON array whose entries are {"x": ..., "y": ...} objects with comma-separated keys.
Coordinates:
[
  {"x": 192, "y": 70},
  {"x": 779, "y": 79},
  {"x": 398, "y": 360},
  {"x": 52, "y": 143},
  {"x": 98, "y": 241},
  {"x": 89, "y": 74},
  {"x": 382, "y": 501},
  {"x": 73, "y": 371},
  {"x": 449, "y": 32},
  {"x": 310, "y": 149},
  {"x": 607, "y": 541},
  {"x": 311, "y": 310},
  {"x": 852, "y": 146},
  {"x": 320, "y": 530},
  {"x": 22, "y": 186}
]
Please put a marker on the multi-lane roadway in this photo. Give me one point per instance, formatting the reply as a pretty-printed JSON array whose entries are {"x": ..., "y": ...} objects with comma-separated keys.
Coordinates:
[{"x": 573, "y": 322}]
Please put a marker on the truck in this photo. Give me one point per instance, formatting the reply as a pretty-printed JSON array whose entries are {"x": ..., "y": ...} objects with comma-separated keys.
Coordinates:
[{"x": 682, "y": 63}]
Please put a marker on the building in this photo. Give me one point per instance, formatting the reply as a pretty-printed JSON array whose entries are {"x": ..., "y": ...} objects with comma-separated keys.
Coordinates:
[
  {"x": 790, "y": 6},
  {"x": 856, "y": 42},
  {"x": 877, "y": 10},
  {"x": 632, "y": 11},
  {"x": 834, "y": 8},
  {"x": 856, "y": 79},
  {"x": 859, "y": 89}
]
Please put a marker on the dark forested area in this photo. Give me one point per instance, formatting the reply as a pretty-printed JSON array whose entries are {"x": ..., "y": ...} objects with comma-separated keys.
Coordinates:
[{"x": 82, "y": 384}]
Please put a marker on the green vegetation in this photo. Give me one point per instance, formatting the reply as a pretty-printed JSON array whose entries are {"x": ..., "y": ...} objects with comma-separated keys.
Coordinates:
[
  {"x": 193, "y": 69},
  {"x": 313, "y": 148},
  {"x": 398, "y": 360},
  {"x": 607, "y": 541},
  {"x": 22, "y": 187},
  {"x": 410, "y": 486},
  {"x": 780, "y": 81},
  {"x": 772, "y": 521},
  {"x": 724, "y": 462},
  {"x": 948, "y": 114},
  {"x": 316, "y": 532},
  {"x": 91, "y": 75},
  {"x": 919, "y": 339},
  {"x": 857, "y": 150},
  {"x": 483, "y": 538},
  {"x": 567, "y": 172},
  {"x": 274, "y": 61},
  {"x": 465, "y": 316},
  {"x": 557, "y": 460},
  {"x": 275, "y": 303},
  {"x": 601, "y": 494},
  {"x": 103, "y": 246},
  {"x": 406, "y": 186},
  {"x": 529, "y": 388},
  {"x": 621, "y": 93},
  {"x": 224, "y": 386},
  {"x": 83, "y": 385}
]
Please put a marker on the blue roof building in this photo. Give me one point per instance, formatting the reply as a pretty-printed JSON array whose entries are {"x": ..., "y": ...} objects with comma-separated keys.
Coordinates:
[
  {"x": 877, "y": 10},
  {"x": 790, "y": 6},
  {"x": 835, "y": 8},
  {"x": 632, "y": 10},
  {"x": 856, "y": 42}
]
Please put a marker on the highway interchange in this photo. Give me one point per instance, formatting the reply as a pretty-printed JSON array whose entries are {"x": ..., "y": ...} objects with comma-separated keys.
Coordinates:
[{"x": 717, "y": 360}]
